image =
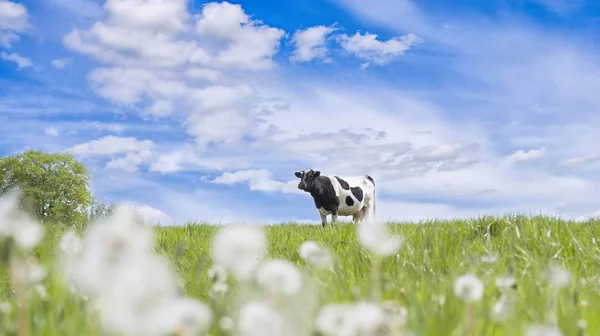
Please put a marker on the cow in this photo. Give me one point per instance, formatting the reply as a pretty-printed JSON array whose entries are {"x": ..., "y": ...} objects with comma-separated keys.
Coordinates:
[{"x": 337, "y": 196}]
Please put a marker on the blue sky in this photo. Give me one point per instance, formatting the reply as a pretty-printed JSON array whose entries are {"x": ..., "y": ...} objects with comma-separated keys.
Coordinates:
[{"x": 203, "y": 110}]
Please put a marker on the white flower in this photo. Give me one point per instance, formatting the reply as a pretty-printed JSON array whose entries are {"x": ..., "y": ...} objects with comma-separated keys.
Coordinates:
[
  {"x": 469, "y": 288},
  {"x": 28, "y": 235},
  {"x": 396, "y": 315},
  {"x": 279, "y": 276},
  {"x": 375, "y": 236},
  {"x": 219, "y": 288},
  {"x": 226, "y": 323},
  {"x": 337, "y": 319},
  {"x": 184, "y": 316},
  {"x": 504, "y": 283},
  {"x": 238, "y": 249},
  {"x": 17, "y": 224},
  {"x": 257, "y": 318},
  {"x": 108, "y": 247},
  {"x": 558, "y": 276},
  {"x": 5, "y": 307},
  {"x": 315, "y": 254},
  {"x": 29, "y": 271},
  {"x": 41, "y": 290},
  {"x": 370, "y": 319},
  {"x": 217, "y": 274},
  {"x": 543, "y": 330},
  {"x": 70, "y": 244},
  {"x": 503, "y": 308}
]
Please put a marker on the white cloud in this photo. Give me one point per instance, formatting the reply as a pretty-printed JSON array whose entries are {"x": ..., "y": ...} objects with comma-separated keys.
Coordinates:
[
  {"x": 369, "y": 48},
  {"x": 22, "y": 62},
  {"x": 259, "y": 180},
  {"x": 251, "y": 45},
  {"x": 7, "y": 38},
  {"x": 309, "y": 43},
  {"x": 561, "y": 6},
  {"x": 186, "y": 158},
  {"x": 531, "y": 154},
  {"x": 110, "y": 144},
  {"x": 51, "y": 131},
  {"x": 160, "y": 108},
  {"x": 152, "y": 216},
  {"x": 130, "y": 162},
  {"x": 59, "y": 63},
  {"x": 203, "y": 73},
  {"x": 580, "y": 161},
  {"x": 13, "y": 16}
]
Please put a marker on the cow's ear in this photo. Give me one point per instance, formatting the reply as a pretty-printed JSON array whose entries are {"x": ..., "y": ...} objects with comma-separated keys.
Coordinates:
[
  {"x": 316, "y": 174},
  {"x": 298, "y": 174}
]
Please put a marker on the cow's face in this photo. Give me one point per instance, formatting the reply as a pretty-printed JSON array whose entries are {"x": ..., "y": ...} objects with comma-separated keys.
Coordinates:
[{"x": 307, "y": 178}]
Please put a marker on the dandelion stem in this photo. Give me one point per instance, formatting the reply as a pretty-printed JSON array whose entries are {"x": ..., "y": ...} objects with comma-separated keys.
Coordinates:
[
  {"x": 21, "y": 299},
  {"x": 469, "y": 318},
  {"x": 376, "y": 278}
]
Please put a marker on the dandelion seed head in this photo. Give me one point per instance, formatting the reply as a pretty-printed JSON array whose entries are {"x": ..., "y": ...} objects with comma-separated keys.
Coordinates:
[
  {"x": 238, "y": 248},
  {"x": 219, "y": 288},
  {"x": 217, "y": 274},
  {"x": 371, "y": 319},
  {"x": 29, "y": 271},
  {"x": 469, "y": 288},
  {"x": 226, "y": 323},
  {"x": 280, "y": 276},
  {"x": 337, "y": 319},
  {"x": 5, "y": 307},
  {"x": 376, "y": 237},
  {"x": 396, "y": 314},
  {"x": 41, "y": 290},
  {"x": 257, "y": 318},
  {"x": 582, "y": 324},
  {"x": 28, "y": 235},
  {"x": 489, "y": 258},
  {"x": 557, "y": 276},
  {"x": 315, "y": 254},
  {"x": 543, "y": 330},
  {"x": 70, "y": 244},
  {"x": 503, "y": 308},
  {"x": 505, "y": 283},
  {"x": 17, "y": 224},
  {"x": 184, "y": 315}
]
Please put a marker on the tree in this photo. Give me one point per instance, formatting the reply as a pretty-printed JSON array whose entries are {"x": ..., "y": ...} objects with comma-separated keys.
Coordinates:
[{"x": 56, "y": 185}]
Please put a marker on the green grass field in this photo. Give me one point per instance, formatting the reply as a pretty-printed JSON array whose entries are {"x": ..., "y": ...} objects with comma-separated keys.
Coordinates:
[{"x": 420, "y": 277}]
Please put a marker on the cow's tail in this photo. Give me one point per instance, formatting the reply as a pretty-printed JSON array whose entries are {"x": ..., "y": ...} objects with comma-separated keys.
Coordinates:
[{"x": 374, "y": 201}]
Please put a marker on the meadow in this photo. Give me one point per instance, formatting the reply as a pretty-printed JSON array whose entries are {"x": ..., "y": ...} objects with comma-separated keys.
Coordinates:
[{"x": 513, "y": 275}]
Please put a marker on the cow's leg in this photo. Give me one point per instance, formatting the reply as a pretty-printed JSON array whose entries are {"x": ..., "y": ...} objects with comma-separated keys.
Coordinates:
[
  {"x": 356, "y": 217},
  {"x": 334, "y": 214},
  {"x": 323, "y": 220},
  {"x": 362, "y": 213}
]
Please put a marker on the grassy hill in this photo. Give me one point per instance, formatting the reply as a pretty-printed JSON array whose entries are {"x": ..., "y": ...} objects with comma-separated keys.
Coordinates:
[{"x": 555, "y": 266}]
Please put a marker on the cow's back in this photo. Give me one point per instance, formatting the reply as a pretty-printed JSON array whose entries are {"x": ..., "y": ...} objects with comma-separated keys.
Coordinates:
[{"x": 353, "y": 193}]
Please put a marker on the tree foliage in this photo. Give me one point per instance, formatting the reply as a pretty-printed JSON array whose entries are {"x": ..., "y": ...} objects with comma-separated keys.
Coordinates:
[{"x": 56, "y": 185}]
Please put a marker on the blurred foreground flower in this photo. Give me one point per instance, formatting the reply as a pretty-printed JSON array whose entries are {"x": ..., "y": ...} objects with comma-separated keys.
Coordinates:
[
  {"x": 376, "y": 237},
  {"x": 558, "y": 277},
  {"x": 315, "y": 254},
  {"x": 134, "y": 291},
  {"x": 543, "y": 330},
  {"x": 360, "y": 318},
  {"x": 279, "y": 276},
  {"x": 17, "y": 224},
  {"x": 469, "y": 288},
  {"x": 238, "y": 249}
]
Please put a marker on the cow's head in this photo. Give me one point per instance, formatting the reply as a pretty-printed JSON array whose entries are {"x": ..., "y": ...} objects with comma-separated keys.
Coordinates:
[{"x": 307, "y": 178}]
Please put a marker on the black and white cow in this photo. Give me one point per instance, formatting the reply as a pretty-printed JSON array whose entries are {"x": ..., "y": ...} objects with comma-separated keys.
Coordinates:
[{"x": 338, "y": 197}]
